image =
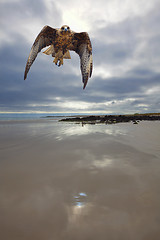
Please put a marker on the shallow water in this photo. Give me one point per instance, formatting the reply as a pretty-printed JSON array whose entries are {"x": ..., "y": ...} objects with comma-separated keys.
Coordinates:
[{"x": 68, "y": 181}]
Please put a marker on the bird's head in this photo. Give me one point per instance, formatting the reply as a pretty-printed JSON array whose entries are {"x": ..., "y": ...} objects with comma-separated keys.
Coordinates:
[{"x": 65, "y": 29}]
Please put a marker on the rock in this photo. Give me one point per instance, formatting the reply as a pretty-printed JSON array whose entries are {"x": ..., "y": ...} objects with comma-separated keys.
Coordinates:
[{"x": 112, "y": 119}]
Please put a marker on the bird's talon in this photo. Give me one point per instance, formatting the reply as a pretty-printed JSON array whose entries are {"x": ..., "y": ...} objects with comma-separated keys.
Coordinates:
[
  {"x": 55, "y": 61},
  {"x": 60, "y": 62}
]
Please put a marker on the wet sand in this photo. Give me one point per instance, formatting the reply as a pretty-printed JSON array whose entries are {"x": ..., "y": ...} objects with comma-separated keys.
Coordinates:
[{"x": 62, "y": 181}]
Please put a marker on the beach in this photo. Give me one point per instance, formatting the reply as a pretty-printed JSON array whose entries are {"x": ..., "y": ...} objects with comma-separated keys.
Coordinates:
[{"x": 69, "y": 181}]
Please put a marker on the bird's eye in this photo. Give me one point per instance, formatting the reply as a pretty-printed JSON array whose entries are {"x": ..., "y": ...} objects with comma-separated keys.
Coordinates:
[
  {"x": 68, "y": 28},
  {"x": 62, "y": 28}
]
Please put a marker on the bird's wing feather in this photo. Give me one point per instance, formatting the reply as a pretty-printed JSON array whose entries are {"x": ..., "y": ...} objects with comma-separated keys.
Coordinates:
[
  {"x": 45, "y": 38},
  {"x": 81, "y": 44}
]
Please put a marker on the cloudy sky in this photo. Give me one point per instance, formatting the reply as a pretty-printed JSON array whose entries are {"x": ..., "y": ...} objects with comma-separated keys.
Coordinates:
[{"x": 125, "y": 37}]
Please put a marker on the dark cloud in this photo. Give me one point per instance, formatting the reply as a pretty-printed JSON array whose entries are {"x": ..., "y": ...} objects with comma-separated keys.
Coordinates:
[
  {"x": 44, "y": 84},
  {"x": 128, "y": 49},
  {"x": 20, "y": 18},
  {"x": 25, "y": 8},
  {"x": 112, "y": 53}
]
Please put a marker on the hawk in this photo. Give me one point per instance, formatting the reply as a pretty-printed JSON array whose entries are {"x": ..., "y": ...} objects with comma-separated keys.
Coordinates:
[{"x": 60, "y": 42}]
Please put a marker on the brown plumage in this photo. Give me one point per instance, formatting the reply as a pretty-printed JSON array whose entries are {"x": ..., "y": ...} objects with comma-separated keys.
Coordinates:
[{"x": 61, "y": 41}]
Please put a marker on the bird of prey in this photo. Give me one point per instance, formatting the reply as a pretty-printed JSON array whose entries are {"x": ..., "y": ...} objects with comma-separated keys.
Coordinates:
[{"x": 60, "y": 42}]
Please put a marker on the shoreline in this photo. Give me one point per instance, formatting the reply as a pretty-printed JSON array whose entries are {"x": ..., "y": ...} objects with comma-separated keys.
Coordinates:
[{"x": 112, "y": 119}]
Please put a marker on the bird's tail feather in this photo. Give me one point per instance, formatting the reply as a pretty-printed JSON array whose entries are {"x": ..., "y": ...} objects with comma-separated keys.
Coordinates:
[
  {"x": 51, "y": 50},
  {"x": 67, "y": 55}
]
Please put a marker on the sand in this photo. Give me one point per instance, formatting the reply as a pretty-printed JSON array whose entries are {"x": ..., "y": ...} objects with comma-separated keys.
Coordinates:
[{"x": 62, "y": 181}]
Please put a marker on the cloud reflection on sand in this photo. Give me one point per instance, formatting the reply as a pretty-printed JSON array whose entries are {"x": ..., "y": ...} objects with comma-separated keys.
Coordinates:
[
  {"x": 103, "y": 162},
  {"x": 72, "y": 129}
]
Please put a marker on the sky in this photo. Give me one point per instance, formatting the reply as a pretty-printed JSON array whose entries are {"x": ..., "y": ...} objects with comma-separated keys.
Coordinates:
[{"x": 125, "y": 36}]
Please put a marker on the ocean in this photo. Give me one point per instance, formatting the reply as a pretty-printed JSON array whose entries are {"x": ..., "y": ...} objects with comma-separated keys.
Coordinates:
[{"x": 32, "y": 116}]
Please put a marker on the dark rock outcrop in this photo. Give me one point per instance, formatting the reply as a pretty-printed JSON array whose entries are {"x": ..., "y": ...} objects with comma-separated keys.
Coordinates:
[{"x": 112, "y": 119}]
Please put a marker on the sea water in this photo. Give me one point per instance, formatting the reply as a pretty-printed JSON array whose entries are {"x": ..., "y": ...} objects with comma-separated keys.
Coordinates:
[{"x": 32, "y": 116}]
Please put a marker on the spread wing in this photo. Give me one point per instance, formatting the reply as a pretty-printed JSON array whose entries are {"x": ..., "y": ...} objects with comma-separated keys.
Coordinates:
[
  {"x": 81, "y": 44},
  {"x": 45, "y": 38}
]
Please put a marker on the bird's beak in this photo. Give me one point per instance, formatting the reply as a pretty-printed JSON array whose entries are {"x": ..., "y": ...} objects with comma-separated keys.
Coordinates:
[{"x": 65, "y": 29}]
